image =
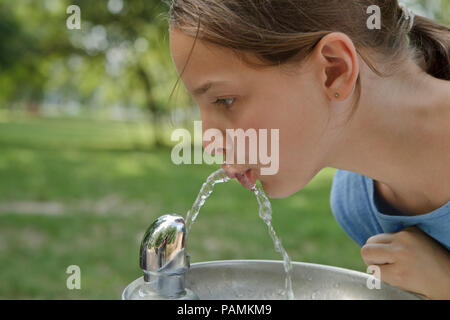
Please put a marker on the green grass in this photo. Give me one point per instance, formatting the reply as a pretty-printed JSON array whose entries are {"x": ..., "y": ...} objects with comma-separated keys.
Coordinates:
[{"x": 76, "y": 192}]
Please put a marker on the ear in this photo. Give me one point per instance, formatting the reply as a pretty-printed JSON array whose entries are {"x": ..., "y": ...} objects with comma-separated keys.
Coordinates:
[{"x": 338, "y": 65}]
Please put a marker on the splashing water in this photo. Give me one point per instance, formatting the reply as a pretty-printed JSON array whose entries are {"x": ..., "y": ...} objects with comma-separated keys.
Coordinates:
[
  {"x": 265, "y": 212},
  {"x": 218, "y": 176}
]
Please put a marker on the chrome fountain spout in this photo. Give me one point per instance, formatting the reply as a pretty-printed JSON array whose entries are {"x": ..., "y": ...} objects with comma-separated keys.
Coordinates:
[
  {"x": 162, "y": 247},
  {"x": 164, "y": 261}
]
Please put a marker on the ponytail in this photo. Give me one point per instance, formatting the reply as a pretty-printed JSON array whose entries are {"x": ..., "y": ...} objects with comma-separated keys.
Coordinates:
[{"x": 433, "y": 41}]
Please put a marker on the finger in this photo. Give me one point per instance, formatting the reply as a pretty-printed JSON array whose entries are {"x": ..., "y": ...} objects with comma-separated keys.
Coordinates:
[
  {"x": 377, "y": 253},
  {"x": 381, "y": 238},
  {"x": 389, "y": 273}
]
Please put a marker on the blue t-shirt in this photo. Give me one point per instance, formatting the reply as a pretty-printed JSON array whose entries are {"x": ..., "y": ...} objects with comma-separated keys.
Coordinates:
[{"x": 359, "y": 213}]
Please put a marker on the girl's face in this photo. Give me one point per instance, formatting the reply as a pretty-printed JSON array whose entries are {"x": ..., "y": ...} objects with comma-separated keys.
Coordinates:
[{"x": 288, "y": 99}]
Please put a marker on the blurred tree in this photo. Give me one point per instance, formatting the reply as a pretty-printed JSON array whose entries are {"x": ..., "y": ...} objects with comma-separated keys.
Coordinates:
[
  {"x": 130, "y": 39},
  {"x": 20, "y": 76},
  {"x": 121, "y": 54}
]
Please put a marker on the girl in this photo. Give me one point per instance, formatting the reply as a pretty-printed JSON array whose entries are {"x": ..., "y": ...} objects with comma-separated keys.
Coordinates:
[{"x": 373, "y": 103}]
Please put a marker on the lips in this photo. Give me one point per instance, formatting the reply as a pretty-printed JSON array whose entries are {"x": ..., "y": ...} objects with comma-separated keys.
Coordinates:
[{"x": 246, "y": 179}]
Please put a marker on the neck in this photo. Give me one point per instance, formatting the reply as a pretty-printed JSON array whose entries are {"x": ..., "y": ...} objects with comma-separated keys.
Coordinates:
[{"x": 400, "y": 137}]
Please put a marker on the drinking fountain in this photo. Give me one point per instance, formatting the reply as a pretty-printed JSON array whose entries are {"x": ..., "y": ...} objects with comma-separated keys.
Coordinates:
[{"x": 167, "y": 274}]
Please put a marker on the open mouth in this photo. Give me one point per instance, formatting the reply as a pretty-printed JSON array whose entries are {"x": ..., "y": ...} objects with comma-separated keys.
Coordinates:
[{"x": 247, "y": 179}]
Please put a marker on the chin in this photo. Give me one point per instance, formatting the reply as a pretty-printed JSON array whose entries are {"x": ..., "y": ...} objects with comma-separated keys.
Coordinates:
[{"x": 275, "y": 190}]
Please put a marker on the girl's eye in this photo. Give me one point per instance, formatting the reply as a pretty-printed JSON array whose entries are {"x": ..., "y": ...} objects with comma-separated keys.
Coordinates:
[{"x": 226, "y": 102}]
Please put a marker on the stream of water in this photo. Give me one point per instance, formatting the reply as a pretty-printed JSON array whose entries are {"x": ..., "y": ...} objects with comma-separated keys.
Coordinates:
[
  {"x": 265, "y": 212},
  {"x": 218, "y": 176}
]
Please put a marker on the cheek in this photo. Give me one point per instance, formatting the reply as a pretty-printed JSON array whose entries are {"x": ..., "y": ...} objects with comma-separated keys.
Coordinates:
[
  {"x": 298, "y": 117},
  {"x": 297, "y": 125},
  {"x": 280, "y": 110},
  {"x": 298, "y": 151}
]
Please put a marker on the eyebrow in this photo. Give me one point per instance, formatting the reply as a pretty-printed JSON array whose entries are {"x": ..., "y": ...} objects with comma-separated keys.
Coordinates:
[{"x": 206, "y": 86}]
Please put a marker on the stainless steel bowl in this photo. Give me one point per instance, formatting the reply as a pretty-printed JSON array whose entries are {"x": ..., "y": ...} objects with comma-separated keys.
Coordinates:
[{"x": 265, "y": 279}]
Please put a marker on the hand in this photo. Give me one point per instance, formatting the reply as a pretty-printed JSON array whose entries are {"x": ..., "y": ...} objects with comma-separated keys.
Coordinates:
[{"x": 410, "y": 260}]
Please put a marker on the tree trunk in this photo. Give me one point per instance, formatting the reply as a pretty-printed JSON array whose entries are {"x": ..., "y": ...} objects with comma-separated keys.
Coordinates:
[{"x": 151, "y": 106}]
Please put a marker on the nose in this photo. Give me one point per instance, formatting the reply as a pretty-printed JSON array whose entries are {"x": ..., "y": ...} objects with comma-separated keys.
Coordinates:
[
  {"x": 214, "y": 141},
  {"x": 213, "y": 135}
]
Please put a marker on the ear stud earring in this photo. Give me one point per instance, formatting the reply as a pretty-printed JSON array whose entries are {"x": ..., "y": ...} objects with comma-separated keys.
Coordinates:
[{"x": 336, "y": 95}]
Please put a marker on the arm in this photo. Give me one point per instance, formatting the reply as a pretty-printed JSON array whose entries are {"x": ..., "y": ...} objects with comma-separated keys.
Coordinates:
[{"x": 410, "y": 260}]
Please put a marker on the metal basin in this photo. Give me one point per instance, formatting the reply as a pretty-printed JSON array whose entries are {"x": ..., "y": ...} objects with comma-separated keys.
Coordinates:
[{"x": 265, "y": 279}]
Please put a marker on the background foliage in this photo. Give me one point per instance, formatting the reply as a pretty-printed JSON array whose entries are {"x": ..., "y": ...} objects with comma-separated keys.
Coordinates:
[{"x": 85, "y": 156}]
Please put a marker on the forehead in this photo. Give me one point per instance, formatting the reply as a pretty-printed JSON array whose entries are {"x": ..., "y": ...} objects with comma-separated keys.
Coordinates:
[{"x": 207, "y": 61}]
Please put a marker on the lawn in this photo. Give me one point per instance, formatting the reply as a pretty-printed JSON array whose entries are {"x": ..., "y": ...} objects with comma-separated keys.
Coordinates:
[{"x": 79, "y": 192}]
